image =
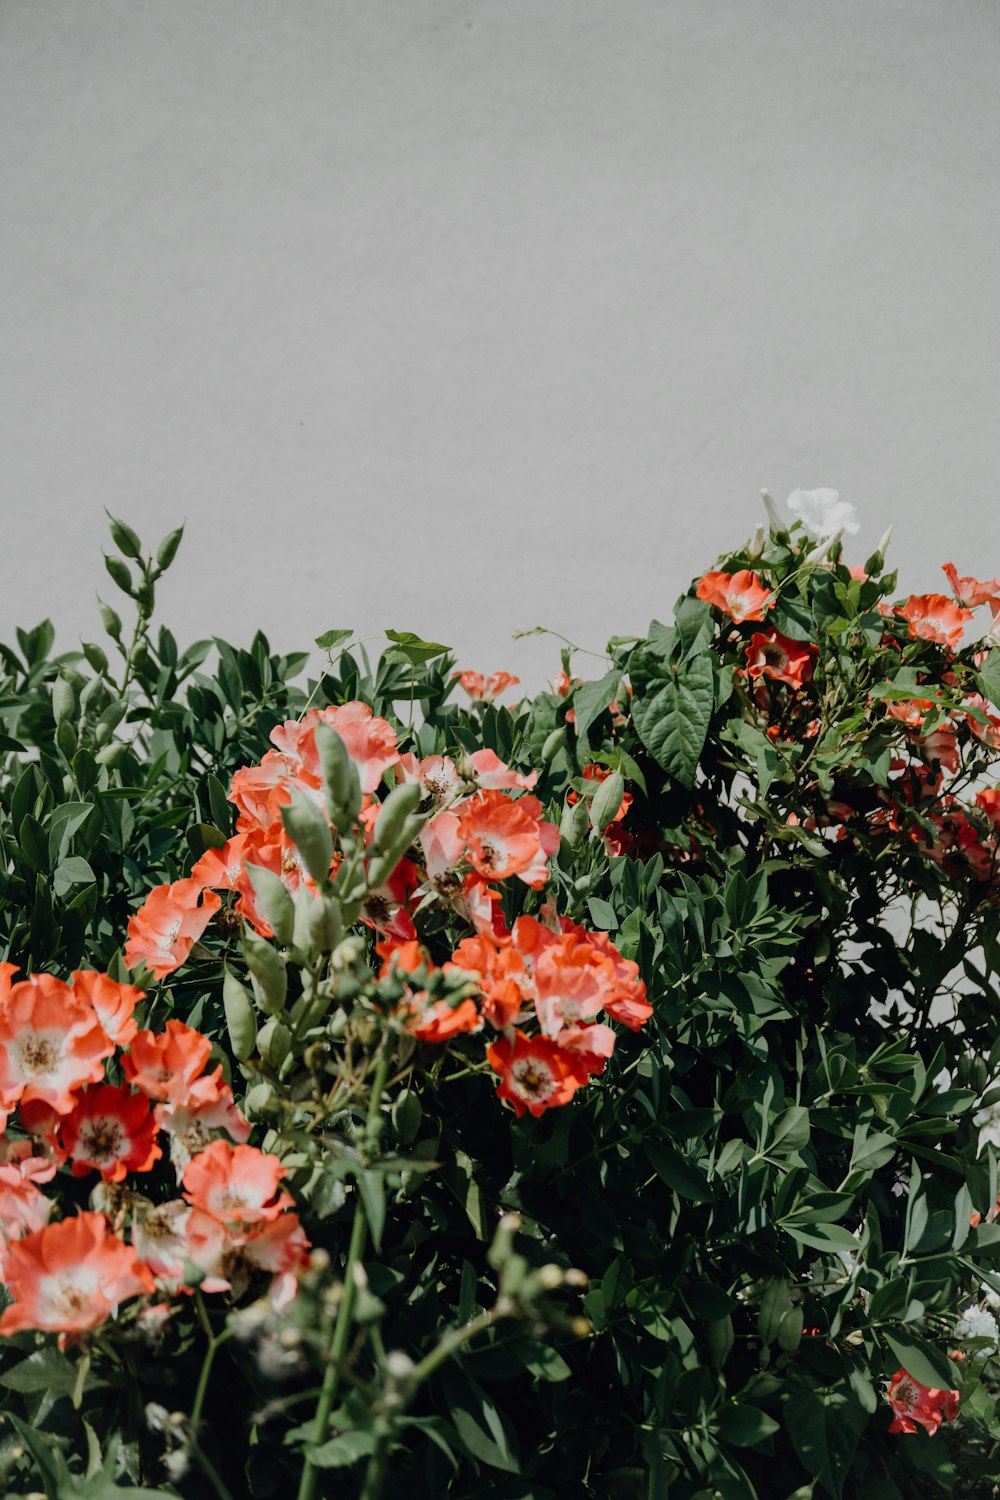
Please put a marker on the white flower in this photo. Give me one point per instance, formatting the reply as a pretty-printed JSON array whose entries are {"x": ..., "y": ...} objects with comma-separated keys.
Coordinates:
[
  {"x": 822, "y": 512},
  {"x": 976, "y": 1323},
  {"x": 988, "y": 1121},
  {"x": 989, "y": 1296}
]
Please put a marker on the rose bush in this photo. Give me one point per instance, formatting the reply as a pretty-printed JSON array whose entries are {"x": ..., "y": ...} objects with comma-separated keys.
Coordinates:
[{"x": 410, "y": 1094}]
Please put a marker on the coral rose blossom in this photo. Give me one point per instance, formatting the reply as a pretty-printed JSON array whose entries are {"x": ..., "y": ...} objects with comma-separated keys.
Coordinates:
[
  {"x": 971, "y": 592},
  {"x": 536, "y": 1074},
  {"x": 912, "y": 1403},
  {"x": 776, "y": 656},
  {"x": 110, "y": 1131},
  {"x": 484, "y": 689},
  {"x": 741, "y": 595},
  {"x": 51, "y": 1042},
  {"x": 506, "y": 838},
  {"x": 70, "y": 1276},
  {"x": 236, "y": 1183},
  {"x": 167, "y": 925},
  {"x": 934, "y": 617},
  {"x": 370, "y": 742},
  {"x": 165, "y": 1065},
  {"x": 112, "y": 1003}
]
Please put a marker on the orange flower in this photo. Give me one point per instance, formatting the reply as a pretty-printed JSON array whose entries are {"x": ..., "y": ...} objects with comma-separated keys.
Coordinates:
[
  {"x": 741, "y": 595},
  {"x": 166, "y": 1065},
  {"x": 572, "y": 981},
  {"x": 260, "y": 792},
  {"x": 370, "y": 742},
  {"x": 166, "y": 927},
  {"x": 223, "y": 869},
  {"x": 489, "y": 773},
  {"x": 228, "y": 1253},
  {"x": 971, "y": 592},
  {"x": 536, "y": 1074},
  {"x": 70, "y": 1277},
  {"x": 110, "y": 1131},
  {"x": 505, "y": 838},
  {"x": 934, "y": 617},
  {"x": 51, "y": 1043},
  {"x": 237, "y": 1183},
  {"x": 485, "y": 689},
  {"x": 502, "y": 976},
  {"x": 112, "y": 1003},
  {"x": 774, "y": 655},
  {"x": 913, "y": 1402}
]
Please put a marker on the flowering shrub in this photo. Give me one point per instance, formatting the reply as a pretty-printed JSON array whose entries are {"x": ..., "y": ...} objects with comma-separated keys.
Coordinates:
[{"x": 584, "y": 1097}]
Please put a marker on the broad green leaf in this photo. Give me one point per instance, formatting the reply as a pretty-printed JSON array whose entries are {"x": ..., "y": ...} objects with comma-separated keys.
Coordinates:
[
  {"x": 923, "y": 1361},
  {"x": 673, "y": 723},
  {"x": 331, "y": 639}
]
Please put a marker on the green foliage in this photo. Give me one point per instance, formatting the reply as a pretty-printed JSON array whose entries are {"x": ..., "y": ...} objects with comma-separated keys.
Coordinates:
[{"x": 771, "y": 1186}]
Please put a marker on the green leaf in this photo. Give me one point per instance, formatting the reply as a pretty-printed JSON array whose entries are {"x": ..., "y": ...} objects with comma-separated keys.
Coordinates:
[
  {"x": 331, "y": 639},
  {"x": 824, "y": 1428},
  {"x": 592, "y": 698},
  {"x": 673, "y": 724},
  {"x": 791, "y": 1130},
  {"x": 346, "y": 1448},
  {"x": 989, "y": 678},
  {"x": 602, "y": 914},
  {"x": 820, "y": 1236},
  {"x": 45, "y": 1370},
  {"x": 72, "y": 871},
  {"x": 921, "y": 1360},
  {"x": 411, "y": 648},
  {"x": 679, "y": 1173},
  {"x": 744, "y": 1426}
]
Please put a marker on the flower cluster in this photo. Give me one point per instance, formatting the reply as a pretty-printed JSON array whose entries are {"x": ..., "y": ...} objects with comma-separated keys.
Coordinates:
[
  {"x": 479, "y": 827},
  {"x": 58, "y": 1042}
]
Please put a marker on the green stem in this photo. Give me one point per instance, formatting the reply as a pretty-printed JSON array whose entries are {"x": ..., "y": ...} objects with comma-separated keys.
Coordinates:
[
  {"x": 210, "y": 1472},
  {"x": 342, "y": 1326},
  {"x": 375, "y": 1474}
]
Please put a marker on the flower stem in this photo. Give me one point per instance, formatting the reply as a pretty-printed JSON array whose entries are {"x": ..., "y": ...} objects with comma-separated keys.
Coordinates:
[{"x": 342, "y": 1325}]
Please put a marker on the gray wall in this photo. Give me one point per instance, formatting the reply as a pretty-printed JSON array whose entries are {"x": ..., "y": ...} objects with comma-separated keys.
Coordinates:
[{"x": 465, "y": 316}]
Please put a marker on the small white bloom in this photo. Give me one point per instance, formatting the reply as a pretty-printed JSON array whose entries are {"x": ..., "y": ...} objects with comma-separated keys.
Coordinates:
[
  {"x": 988, "y": 1121},
  {"x": 822, "y": 512},
  {"x": 989, "y": 1296},
  {"x": 977, "y": 1323}
]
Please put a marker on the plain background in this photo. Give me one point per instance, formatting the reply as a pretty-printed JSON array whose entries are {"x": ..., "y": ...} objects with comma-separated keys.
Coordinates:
[{"x": 466, "y": 316}]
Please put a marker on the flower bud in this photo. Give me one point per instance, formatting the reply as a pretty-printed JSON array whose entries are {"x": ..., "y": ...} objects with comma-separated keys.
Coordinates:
[
  {"x": 394, "y": 813},
  {"x": 241, "y": 1022},
  {"x": 778, "y": 526},
  {"x": 310, "y": 833},
  {"x": 274, "y": 901}
]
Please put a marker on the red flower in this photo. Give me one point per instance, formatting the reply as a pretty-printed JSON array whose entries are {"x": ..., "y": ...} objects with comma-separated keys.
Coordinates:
[
  {"x": 774, "y": 655},
  {"x": 741, "y": 595},
  {"x": 913, "y": 1403},
  {"x": 536, "y": 1073},
  {"x": 110, "y": 1131}
]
